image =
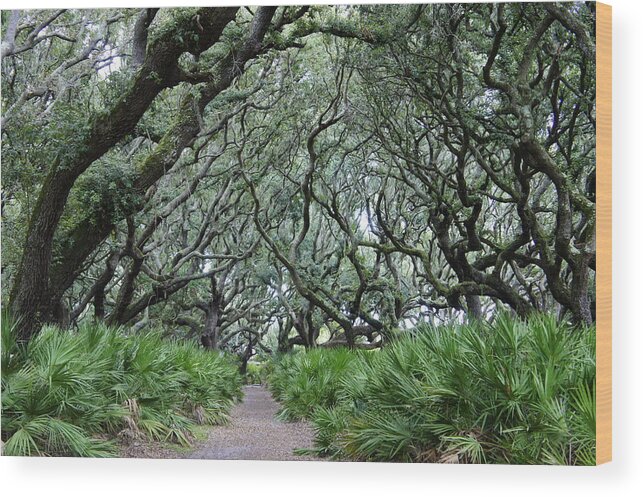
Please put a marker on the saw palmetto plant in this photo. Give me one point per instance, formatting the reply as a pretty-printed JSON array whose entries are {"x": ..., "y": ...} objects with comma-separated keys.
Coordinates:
[
  {"x": 512, "y": 391},
  {"x": 73, "y": 393}
]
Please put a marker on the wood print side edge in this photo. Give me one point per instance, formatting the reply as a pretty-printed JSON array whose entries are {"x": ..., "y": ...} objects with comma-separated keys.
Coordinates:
[{"x": 603, "y": 233}]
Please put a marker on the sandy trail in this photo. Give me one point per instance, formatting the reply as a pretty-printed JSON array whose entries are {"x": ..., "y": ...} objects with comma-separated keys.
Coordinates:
[{"x": 255, "y": 434}]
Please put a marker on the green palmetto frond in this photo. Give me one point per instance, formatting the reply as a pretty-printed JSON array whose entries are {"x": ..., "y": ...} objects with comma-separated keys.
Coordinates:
[
  {"x": 510, "y": 391},
  {"x": 65, "y": 387}
]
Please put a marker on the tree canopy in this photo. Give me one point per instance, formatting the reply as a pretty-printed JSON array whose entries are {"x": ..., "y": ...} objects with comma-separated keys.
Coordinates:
[{"x": 260, "y": 178}]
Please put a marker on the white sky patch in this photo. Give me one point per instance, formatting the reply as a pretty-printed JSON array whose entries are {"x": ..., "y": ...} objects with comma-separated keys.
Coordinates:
[{"x": 114, "y": 65}]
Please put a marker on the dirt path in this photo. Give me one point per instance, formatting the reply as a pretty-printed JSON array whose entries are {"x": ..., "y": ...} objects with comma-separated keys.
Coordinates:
[{"x": 255, "y": 433}]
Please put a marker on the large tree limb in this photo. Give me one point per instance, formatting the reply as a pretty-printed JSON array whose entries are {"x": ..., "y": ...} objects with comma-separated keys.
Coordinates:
[
  {"x": 30, "y": 296},
  {"x": 182, "y": 134},
  {"x": 139, "y": 47}
]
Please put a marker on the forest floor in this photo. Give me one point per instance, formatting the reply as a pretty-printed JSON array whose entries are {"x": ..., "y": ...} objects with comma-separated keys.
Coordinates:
[{"x": 254, "y": 433}]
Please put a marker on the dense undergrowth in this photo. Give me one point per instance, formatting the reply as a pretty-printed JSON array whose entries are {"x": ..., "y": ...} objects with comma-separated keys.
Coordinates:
[
  {"x": 77, "y": 393},
  {"x": 509, "y": 392}
]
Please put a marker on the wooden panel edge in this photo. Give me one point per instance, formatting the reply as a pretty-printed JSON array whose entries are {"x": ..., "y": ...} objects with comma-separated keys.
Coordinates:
[{"x": 603, "y": 233}]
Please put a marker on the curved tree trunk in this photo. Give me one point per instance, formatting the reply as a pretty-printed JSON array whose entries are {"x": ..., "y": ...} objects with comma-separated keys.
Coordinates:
[{"x": 31, "y": 297}]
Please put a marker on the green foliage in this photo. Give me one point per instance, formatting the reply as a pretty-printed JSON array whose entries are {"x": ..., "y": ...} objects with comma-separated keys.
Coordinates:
[
  {"x": 106, "y": 190},
  {"x": 173, "y": 25},
  {"x": 303, "y": 382},
  {"x": 508, "y": 392},
  {"x": 255, "y": 373},
  {"x": 70, "y": 393}
]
